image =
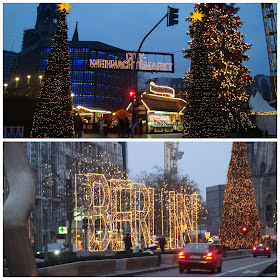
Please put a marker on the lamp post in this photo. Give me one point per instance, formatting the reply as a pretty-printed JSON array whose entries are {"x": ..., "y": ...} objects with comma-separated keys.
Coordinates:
[
  {"x": 28, "y": 79},
  {"x": 17, "y": 79},
  {"x": 40, "y": 78},
  {"x": 5, "y": 87}
]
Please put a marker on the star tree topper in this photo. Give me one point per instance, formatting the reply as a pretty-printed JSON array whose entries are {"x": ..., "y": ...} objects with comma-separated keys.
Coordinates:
[
  {"x": 64, "y": 6},
  {"x": 197, "y": 16}
]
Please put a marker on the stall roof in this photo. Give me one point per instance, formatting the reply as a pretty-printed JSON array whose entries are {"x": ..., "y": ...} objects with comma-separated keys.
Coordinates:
[
  {"x": 160, "y": 103},
  {"x": 91, "y": 109},
  {"x": 258, "y": 104}
]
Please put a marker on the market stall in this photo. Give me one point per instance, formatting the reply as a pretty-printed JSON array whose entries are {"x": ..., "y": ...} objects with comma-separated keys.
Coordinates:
[
  {"x": 160, "y": 111},
  {"x": 90, "y": 117}
]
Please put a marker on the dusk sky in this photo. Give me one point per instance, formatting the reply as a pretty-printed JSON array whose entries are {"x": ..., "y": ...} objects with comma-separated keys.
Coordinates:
[
  {"x": 124, "y": 25},
  {"x": 205, "y": 162}
]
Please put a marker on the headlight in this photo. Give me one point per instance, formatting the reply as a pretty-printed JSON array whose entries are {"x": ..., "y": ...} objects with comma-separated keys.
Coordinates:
[
  {"x": 38, "y": 252},
  {"x": 56, "y": 252}
]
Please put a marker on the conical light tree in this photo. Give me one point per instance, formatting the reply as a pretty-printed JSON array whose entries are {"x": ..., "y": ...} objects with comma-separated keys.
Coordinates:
[
  {"x": 203, "y": 116},
  {"x": 53, "y": 115},
  {"x": 226, "y": 51},
  {"x": 239, "y": 205}
]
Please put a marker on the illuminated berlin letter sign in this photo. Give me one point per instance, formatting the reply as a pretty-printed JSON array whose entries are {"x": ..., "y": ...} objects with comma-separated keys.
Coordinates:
[{"x": 147, "y": 62}]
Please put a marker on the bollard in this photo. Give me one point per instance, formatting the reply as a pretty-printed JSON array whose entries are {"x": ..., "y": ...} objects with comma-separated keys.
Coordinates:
[{"x": 159, "y": 258}]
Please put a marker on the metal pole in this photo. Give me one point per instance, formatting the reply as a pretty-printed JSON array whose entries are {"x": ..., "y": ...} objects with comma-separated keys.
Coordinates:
[{"x": 134, "y": 80}]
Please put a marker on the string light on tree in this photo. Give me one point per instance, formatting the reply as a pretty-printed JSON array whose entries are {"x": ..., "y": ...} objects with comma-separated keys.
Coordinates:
[
  {"x": 203, "y": 116},
  {"x": 239, "y": 213},
  {"x": 53, "y": 118},
  {"x": 226, "y": 51}
]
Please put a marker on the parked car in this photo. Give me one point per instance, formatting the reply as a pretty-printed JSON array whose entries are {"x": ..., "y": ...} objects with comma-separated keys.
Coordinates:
[
  {"x": 55, "y": 248},
  {"x": 200, "y": 256},
  {"x": 261, "y": 249}
]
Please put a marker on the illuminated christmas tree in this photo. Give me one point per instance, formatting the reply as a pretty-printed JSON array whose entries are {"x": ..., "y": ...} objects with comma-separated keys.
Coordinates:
[
  {"x": 53, "y": 115},
  {"x": 226, "y": 47},
  {"x": 239, "y": 205},
  {"x": 203, "y": 116}
]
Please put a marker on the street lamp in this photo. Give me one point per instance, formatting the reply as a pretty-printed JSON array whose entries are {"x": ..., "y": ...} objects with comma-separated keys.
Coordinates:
[
  {"x": 40, "y": 77},
  {"x": 5, "y": 86},
  {"x": 28, "y": 79},
  {"x": 17, "y": 79}
]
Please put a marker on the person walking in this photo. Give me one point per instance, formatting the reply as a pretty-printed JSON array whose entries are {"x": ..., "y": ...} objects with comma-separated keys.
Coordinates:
[
  {"x": 162, "y": 243},
  {"x": 78, "y": 126},
  {"x": 121, "y": 127},
  {"x": 101, "y": 126},
  {"x": 105, "y": 125},
  {"x": 126, "y": 126},
  {"x": 140, "y": 126},
  {"x": 127, "y": 242}
]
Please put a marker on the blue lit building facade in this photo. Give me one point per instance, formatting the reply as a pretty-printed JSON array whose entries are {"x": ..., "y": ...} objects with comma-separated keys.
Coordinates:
[{"x": 107, "y": 89}]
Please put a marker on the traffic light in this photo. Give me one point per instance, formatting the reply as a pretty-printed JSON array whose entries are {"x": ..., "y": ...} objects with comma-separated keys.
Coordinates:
[
  {"x": 131, "y": 95},
  {"x": 172, "y": 18},
  {"x": 244, "y": 230}
]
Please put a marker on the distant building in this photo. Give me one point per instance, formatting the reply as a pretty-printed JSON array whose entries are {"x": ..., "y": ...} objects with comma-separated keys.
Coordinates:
[
  {"x": 263, "y": 85},
  {"x": 9, "y": 58},
  {"x": 55, "y": 165},
  {"x": 214, "y": 205},
  {"x": 262, "y": 158},
  {"x": 107, "y": 89}
]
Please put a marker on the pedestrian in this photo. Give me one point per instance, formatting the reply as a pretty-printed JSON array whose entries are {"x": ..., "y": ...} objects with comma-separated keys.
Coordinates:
[
  {"x": 127, "y": 242},
  {"x": 121, "y": 127},
  {"x": 105, "y": 125},
  {"x": 162, "y": 243},
  {"x": 101, "y": 126},
  {"x": 126, "y": 126},
  {"x": 140, "y": 126},
  {"x": 78, "y": 126}
]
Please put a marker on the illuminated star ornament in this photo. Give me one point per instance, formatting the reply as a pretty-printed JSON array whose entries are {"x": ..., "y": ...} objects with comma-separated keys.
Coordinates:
[
  {"x": 197, "y": 16},
  {"x": 64, "y": 6}
]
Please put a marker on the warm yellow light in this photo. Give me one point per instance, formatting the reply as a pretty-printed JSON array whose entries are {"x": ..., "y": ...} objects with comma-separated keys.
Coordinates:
[
  {"x": 28, "y": 77},
  {"x": 197, "y": 16},
  {"x": 40, "y": 77},
  {"x": 64, "y": 6},
  {"x": 5, "y": 85},
  {"x": 17, "y": 78}
]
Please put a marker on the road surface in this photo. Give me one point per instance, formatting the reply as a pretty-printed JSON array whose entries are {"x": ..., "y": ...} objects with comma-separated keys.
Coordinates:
[{"x": 243, "y": 267}]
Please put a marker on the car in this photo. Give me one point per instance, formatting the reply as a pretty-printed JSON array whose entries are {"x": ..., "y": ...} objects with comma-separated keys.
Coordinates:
[
  {"x": 55, "y": 249},
  {"x": 200, "y": 256},
  {"x": 261, "y": 249}
]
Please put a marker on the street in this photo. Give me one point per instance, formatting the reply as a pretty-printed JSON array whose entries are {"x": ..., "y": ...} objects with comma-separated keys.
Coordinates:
[{"x": 243, "y": 267}]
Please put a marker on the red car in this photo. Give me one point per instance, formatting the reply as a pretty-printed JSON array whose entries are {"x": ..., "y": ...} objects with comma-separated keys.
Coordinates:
[
  {"x": 261, "y": 249},
  {"x": 200, "y": 256}
]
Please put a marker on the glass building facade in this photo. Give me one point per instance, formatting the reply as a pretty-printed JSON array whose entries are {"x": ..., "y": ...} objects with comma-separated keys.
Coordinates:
[{"x": 105, "y": 89}]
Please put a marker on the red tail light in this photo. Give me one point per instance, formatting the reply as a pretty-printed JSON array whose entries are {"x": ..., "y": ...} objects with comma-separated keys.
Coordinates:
[
  {"x": 267, "y": 248},
  {"x": 209, "y": 256},
  {"x": 181, "y": 255},
  {"x": 254, "y": 248}
]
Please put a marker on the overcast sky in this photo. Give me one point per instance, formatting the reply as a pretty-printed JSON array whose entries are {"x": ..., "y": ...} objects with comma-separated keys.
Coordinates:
[
  {"x": 205, "y": 162},
  {"x": 124, "y": 25}
]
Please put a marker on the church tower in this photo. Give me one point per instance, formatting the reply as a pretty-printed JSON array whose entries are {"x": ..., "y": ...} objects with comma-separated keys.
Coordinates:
[{"x": 45, "y": 27}]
